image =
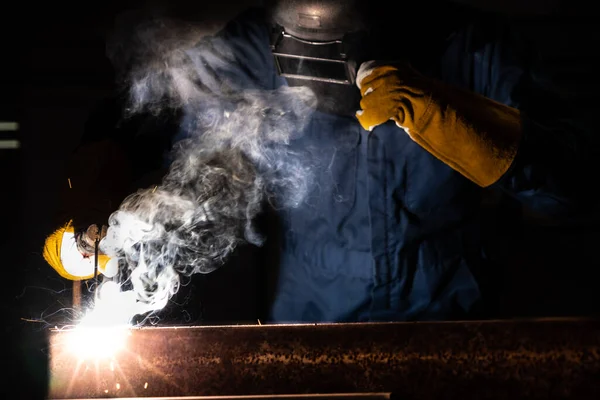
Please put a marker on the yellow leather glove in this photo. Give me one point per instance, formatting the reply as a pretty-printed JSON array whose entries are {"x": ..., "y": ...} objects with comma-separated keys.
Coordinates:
[
  {"x": 63, "y": 252},
  {"x": 472, "y": 134}
]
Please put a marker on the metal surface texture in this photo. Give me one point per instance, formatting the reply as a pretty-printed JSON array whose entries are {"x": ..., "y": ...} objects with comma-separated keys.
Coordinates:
[
  {"x": 336, "y": 396},
  {"x": 553, "y": 358}
]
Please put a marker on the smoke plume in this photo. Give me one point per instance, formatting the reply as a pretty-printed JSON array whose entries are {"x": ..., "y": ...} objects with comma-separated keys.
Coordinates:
[{"x": 235, "y": 159}]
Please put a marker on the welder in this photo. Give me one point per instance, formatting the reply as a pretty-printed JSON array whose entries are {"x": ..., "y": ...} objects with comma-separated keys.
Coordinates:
[{"x": 467, "y": 106}]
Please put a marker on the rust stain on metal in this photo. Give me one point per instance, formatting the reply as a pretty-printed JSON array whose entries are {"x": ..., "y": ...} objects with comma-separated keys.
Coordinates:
[
  {"x": 537, "y": 359},
  {"x": 389, "y": 358}
]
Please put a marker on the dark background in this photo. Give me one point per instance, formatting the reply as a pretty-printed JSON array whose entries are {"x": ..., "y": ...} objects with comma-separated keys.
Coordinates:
[{"x": 53, "y": 72}]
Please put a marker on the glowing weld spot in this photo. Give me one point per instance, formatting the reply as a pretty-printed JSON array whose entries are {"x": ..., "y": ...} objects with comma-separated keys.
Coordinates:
[
  {"x": 104, "y": 330},
  {"x": 96, "y": 342}
]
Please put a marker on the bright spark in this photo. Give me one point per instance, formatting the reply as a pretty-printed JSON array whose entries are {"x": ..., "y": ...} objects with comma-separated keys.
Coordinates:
[{"x": 103, "y": 331}]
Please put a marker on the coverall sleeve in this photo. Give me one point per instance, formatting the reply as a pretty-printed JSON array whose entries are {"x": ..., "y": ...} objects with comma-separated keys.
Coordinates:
[
  {"x": 115, "y": 156},
  {"x": 98, "y": 172},
  {"x": 238, "y": 57}
]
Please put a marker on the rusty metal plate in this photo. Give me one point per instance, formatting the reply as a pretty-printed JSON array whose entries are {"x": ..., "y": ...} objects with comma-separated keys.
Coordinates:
[
  {"x": 333, "y": 396},
  {"x": 494, "y": 359}
]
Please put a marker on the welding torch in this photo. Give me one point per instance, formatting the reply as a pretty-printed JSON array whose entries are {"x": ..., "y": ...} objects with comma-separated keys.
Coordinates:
[
  {"x": 88, "y": 243},
  {"x": 96, "y": 246}
]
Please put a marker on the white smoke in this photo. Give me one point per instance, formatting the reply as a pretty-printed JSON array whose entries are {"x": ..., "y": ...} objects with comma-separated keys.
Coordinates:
[{"x": 235, "y": 160}]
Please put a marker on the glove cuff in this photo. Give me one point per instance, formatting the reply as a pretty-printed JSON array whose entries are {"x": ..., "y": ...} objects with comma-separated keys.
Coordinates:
[{"x": 472, "y": 134}]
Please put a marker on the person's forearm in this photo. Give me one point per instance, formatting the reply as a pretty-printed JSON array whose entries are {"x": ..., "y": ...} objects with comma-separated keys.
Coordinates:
[
  {"x": 98, "y": 177},
  {"x": 542, "y": 153}
]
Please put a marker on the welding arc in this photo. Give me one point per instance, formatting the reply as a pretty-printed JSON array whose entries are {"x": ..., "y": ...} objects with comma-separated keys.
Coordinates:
[{"x": 96, "y": 246}]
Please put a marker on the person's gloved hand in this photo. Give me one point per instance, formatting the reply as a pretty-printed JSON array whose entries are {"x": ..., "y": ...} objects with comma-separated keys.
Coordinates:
[
  {"x": 86, "y": 239},
  {"x": 474, "y": 135},
  {"x": 72, "y": 253}
]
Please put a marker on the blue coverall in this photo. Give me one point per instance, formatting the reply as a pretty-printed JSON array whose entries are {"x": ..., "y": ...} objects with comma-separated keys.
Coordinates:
[{"x": 391, "y": 233}]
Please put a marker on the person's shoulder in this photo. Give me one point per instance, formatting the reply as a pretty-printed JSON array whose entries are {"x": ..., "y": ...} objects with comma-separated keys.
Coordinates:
[
  {"x": 248, "y": 22},
  {"x": 255, "y": 15}
]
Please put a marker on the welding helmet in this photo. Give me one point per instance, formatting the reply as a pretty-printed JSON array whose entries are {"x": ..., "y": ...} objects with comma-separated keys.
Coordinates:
[{"x": 318, "y": 40}]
